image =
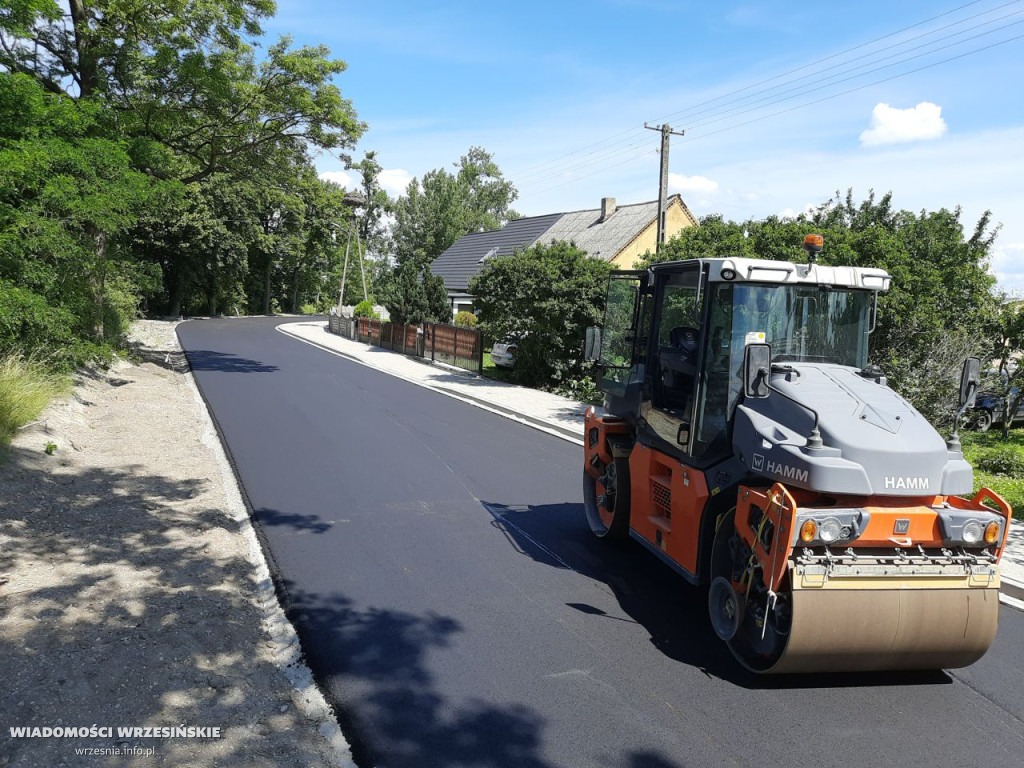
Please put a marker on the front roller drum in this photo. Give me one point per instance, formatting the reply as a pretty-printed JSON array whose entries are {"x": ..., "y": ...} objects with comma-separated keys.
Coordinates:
[
  {"x": 876, "y": 627},
  {"x": 847, "y": 625}
]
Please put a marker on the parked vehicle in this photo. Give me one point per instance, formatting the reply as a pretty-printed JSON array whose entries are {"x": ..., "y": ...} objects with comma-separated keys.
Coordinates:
[
  {"x": 746, "y": 442},
  {"x": 503, "y": 353},
  {"x": 988, "y": 410}
]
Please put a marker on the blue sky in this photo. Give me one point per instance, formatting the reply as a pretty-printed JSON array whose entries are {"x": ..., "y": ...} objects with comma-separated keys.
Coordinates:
[{"x": 558, "y": 92}]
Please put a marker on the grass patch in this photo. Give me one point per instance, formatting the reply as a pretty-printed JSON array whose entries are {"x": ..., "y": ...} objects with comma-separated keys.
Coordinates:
[
  {"x": 26, "y": 386},
  {"x": 491, "y": 371},
  {"x": 998, "y": 464}
]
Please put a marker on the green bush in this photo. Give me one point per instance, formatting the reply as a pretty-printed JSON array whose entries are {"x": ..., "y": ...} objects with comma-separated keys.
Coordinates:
[
  {"x": 29, "y": 324},
  {"x": 1001, "y": 461},
  {"x": 465, "y": 319},
  {"x": 26, "y": 386},
  {"x": 365, "y": 309}
]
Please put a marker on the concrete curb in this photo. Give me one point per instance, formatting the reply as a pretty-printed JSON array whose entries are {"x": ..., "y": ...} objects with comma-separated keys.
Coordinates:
[
  {"x": 1011, "y": 591},
  {"x": 523, "y": 418}
]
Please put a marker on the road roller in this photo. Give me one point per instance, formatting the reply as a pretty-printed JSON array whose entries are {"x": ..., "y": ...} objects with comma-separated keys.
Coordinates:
[{"x": 746, "y": 441}]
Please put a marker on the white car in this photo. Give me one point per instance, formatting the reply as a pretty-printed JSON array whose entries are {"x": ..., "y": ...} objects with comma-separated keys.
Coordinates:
[{"x": 503, "y": 353}]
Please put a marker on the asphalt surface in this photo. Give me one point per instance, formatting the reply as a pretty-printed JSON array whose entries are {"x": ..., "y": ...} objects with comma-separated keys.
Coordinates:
[{"x": 457, "y": 611}]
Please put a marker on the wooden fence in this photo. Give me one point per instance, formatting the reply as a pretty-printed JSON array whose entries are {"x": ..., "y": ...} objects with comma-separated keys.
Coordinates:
[{"x": 451, "y": 344}]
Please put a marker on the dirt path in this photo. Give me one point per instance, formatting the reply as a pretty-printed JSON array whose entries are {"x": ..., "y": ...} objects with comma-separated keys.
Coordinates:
[{"x": 132, "y": 591}]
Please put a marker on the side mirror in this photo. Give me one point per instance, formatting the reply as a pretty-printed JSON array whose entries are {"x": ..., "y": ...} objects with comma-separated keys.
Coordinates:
[
  {"x": 757, "y": 366},
  {"x": 969, "y": 380},
  {"x": 592, "y": 347}
]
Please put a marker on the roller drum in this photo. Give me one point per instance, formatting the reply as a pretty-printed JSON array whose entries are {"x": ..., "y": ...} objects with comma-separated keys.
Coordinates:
[{"x": 876, "y": 627}]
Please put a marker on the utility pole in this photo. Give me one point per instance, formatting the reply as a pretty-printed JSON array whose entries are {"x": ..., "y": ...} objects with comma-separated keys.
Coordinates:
[{"x": 666, "y": 132}]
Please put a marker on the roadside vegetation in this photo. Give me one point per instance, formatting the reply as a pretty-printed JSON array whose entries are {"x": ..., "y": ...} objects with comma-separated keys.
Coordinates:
[
  {"x": 998, "y": 464},
  {"x": 26, "y": 386}
]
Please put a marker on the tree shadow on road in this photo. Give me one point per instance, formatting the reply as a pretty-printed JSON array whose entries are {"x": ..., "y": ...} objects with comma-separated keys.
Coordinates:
[
  {"x": 221, "y": 362},
  {"x": 373, "y": 664}
]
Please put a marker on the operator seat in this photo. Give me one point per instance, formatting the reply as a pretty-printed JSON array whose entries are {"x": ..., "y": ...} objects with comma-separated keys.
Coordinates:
[{"x": 679, "y": 364}]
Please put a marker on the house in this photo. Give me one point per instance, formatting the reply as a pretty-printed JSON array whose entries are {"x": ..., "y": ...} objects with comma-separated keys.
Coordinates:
[{"x": 617, "y": 234}]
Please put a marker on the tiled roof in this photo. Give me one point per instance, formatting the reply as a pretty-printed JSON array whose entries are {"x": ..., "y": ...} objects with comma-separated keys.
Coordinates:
[
  {"x": 602, "y": 240},
  {"x": 463, "y": 259}
]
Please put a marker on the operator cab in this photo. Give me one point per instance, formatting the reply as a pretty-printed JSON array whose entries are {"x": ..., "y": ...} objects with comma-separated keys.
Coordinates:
[{"x": 675, "y": 335}]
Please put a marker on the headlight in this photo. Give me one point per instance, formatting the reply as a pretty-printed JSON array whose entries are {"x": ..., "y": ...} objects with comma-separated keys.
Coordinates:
[
  {"x": 829, "y": 530},
  {"x": 972, "y": 532},
  {"x": 834, "y": 526},
  {"x": 969, "y": 528}
]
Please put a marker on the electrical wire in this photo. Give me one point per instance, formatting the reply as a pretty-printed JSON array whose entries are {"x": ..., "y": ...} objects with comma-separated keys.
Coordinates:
[
  {"x": 535, "y": 168},
  {"x": 614, "y": 152}
]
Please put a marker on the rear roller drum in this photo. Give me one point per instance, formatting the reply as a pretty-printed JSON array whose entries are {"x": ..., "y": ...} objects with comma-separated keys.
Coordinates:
[{"x": 606, "y": 500}]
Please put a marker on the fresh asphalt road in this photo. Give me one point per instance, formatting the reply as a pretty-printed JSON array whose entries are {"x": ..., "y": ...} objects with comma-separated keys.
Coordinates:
[{"x": 454, "y": 606}]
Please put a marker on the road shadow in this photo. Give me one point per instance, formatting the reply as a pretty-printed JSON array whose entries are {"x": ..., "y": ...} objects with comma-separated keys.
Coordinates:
[
  {"x": 209, "y": 360},
  {"x": 672, "y": 611},
  {"x": 302, "y": 523},
  {"x": 372, "y": 663}
]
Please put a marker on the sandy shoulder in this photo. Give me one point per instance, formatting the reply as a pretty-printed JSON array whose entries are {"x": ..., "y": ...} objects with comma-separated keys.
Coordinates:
[{"x": 132, "y": 592}]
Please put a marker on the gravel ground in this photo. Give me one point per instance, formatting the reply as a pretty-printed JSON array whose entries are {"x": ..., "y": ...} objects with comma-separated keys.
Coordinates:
[{"x": 133, "y": 592}]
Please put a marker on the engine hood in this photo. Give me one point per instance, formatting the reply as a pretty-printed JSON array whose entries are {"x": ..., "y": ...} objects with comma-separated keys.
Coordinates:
[{"x": 874, "y": 441}]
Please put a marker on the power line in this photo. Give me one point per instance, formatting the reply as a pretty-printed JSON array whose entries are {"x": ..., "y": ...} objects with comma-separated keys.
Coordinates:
[
  {"x": 868, "y": 64},
  {"x": 794, "y": 108},
  {"x": 531, "y": 170},
  {"x": 613, "y": 151},
  {"x": 772, "y": 101}
]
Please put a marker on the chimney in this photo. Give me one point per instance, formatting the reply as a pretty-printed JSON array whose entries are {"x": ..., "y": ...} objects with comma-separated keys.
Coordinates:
[{"x": 607, "y": 208}]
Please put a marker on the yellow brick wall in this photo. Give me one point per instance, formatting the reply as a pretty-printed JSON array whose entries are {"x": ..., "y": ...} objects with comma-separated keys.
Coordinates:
[{"x": 676, "y": 219}]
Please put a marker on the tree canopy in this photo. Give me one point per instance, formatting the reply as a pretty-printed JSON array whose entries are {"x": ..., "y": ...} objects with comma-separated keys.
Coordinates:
[
  {"x": 164, "y": 153},
  {"x": 436, "y": 212}
]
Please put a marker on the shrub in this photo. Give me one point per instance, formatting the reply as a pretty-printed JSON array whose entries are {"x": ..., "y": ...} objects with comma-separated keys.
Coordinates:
[
  {"x": 28, "y": 323},
  {"x": 465, "y": 319},
  {"x": 1001, "y": 461},
  {"x": 26, "y": 386},
  {"x": 546, "y": 296},
  {"x": 365, "y": 309}
]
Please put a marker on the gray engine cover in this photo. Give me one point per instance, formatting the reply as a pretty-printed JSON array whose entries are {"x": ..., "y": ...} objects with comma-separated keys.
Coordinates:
[{"x": 875, "y": 442}]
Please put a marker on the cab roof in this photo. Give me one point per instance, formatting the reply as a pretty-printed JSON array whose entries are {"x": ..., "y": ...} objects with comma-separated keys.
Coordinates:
[{"x": 742, "y": 270}]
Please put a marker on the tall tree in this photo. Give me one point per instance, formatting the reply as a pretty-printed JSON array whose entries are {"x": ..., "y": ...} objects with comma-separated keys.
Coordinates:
[
  {"x": 67, "y": 197},
  {"x": 180, "y": 84},
  {"x": 445, "y": 206}
]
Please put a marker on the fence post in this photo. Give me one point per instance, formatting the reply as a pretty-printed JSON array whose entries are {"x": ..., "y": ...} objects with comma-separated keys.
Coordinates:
[
  {"x": 479, "y": 352},
  {"x": 433, "y": 340}
]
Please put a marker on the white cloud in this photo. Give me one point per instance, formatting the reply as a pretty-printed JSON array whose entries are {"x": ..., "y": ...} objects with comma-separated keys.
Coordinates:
[
  {"x": 1008, "y": 267},
  {"x": 395, "y": 180},
  {"x": 890, "y": 125},
  {"x": 790, "y": 213},
  {"x": 338, "y": 177},
  {"x": 677, "y": 182}
]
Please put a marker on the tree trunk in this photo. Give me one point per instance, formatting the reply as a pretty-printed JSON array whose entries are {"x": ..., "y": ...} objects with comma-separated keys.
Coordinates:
[
  {"x": 295, "y": 292},
  {"x": 176, "y": 293},
  {"x": 98, "y": 279},
  {"x": 266, "y": 286},
  {"x": 88, "y": 66}
]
